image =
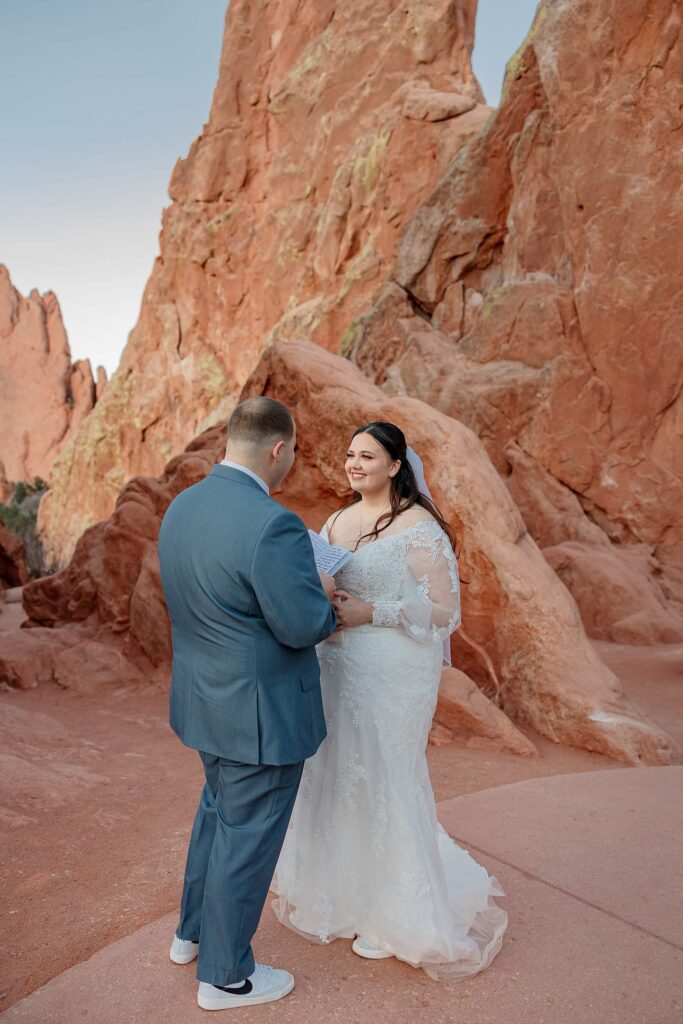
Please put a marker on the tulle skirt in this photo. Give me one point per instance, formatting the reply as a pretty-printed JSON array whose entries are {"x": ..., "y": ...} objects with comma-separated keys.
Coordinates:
[{"x": 364, "y": 853}]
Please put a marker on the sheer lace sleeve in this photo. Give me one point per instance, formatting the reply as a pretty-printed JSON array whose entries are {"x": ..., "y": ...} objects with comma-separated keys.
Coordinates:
[{"x": 430, "y": 604}]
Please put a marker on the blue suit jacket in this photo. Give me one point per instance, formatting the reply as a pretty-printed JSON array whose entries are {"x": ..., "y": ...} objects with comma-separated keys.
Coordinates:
[{"x": 246, "y": 608}]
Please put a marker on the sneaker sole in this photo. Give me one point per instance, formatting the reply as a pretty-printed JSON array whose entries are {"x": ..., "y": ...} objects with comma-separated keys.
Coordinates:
[
  {"x": 222, "y": 1004},
  {"x": 367, "y": 954},
  {"x": 184, "y": 958}
]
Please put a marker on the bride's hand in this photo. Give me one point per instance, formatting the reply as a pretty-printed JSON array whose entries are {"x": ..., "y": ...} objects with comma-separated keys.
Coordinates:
[
  {"x": 351, "y": 611},
  {"x": 328, "y": 584}
]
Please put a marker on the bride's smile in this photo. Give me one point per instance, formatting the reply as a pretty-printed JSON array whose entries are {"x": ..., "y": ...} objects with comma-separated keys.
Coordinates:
[{"x": 369, "y": 468}]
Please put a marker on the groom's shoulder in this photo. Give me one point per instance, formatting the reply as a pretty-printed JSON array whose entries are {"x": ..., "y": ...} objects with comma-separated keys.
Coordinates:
[
  {"x": 212, "y": 497},
  {"x": 277, "y": 517},
  {"x": 277, "y": 525},
  {"x": 250, "y": 505}
]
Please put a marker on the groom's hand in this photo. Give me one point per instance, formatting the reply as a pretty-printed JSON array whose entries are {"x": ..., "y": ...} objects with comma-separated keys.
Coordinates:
[
  {"x": 328, "y": 584},
  {"x": 351, "y": 611}
]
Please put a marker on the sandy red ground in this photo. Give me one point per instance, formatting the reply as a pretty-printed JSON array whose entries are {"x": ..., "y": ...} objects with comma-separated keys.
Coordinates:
[{"x": 97, "y": 799}]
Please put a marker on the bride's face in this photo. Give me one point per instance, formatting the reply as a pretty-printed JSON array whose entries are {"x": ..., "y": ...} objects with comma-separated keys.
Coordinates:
[{"x": 368, "y": 466}]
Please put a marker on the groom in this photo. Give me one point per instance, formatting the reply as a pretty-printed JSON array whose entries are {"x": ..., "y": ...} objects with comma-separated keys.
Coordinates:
[{"x": 247, "y": 606}]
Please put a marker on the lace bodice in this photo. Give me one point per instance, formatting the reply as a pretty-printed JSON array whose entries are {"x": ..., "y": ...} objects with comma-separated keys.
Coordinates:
[{"x": 410, "y": 578}]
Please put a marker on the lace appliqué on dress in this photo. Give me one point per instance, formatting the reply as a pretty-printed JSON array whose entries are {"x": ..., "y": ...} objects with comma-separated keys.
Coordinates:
[
  {"x": 385, "y": 613},
  {"x": 428, "y": 606}
]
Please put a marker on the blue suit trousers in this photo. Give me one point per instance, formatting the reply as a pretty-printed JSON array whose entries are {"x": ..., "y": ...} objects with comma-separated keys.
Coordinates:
[{"x": 238, "y": 832}]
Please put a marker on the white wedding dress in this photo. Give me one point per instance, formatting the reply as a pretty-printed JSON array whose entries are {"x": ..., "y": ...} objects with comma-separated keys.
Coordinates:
[{"x": 364, "y": 853}]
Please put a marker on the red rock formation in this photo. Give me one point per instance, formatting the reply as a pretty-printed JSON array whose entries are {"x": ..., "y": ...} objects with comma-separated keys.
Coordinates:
[
  {"x": 330, "y": 122},
  {"x": 521, "y": 640},
  {"x": 44, "y": 397},
  {"x": 615, "y": 586},
  {"x": 465, "y": 711},
  {"x": 109, "y": 596},
  {"x": 13, "y": 570},
  {"x": 536, "y": 297}
]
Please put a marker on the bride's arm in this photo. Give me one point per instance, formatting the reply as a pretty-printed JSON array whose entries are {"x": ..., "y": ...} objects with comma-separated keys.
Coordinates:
[{"x": 430, "y": 605}]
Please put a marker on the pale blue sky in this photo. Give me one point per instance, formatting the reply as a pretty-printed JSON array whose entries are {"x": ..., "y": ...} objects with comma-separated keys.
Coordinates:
[{"x": 100, "y": 99}]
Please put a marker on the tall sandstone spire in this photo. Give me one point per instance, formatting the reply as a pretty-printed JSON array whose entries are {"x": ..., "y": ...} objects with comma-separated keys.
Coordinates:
[
  {"x": 330, "y": 123},
  {"x": 44, "y": 397}
]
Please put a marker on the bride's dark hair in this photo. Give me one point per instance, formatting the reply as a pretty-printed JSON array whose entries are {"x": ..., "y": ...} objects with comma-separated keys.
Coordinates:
[{"x": 404, "y": 490}]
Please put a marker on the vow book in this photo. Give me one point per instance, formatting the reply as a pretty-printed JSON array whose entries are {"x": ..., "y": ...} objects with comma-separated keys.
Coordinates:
[{"x": 328, "y": 559}]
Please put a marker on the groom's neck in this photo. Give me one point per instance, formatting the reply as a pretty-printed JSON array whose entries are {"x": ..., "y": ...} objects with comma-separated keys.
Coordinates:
[{"x": 249, "y": 460}]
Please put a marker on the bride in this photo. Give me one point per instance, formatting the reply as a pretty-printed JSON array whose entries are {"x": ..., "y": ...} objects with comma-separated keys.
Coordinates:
[{"x": 365, "y": 857}]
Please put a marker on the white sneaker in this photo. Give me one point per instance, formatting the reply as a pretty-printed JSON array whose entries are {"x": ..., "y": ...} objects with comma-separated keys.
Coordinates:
[
  {"x": 183, "y": 951},
  {"x": 265, "y": 985},
  {"x": 369, "y": 950}
]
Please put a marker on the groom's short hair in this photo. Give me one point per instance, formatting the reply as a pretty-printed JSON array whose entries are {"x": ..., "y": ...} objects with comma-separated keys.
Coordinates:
[{"x": 260, "y": 422}]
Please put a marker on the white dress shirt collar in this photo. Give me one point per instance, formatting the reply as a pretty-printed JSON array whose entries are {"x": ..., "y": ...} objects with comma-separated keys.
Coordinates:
[{"x": 249, "y": 472}]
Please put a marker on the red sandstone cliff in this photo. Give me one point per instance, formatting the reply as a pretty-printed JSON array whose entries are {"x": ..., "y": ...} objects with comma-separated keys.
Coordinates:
[
  {"x": 44, "y": 397},
  {"x": 523, "y": 269},
  {"x": 536, "y": 297},
  {"x": 330, "y": 123},
  {"x": 102, "y": 620}
]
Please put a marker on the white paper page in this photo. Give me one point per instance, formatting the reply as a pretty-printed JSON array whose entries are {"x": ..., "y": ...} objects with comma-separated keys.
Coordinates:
[{"x": 328, "y": 559}]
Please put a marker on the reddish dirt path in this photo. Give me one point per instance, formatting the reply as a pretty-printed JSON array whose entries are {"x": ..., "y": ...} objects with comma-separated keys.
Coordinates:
[{"x": 97, "y": 799}]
